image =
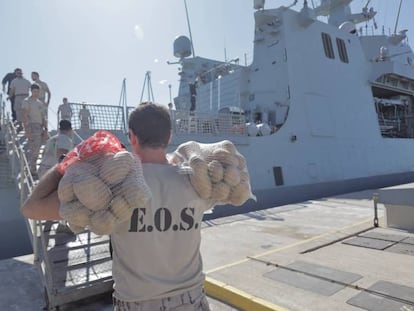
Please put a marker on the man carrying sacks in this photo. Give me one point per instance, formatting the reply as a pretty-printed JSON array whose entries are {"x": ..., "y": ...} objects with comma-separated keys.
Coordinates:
[{"x": 156, "y": 251}]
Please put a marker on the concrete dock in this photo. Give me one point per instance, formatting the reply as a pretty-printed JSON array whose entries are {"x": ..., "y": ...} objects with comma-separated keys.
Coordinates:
[{"x": 316, "y": 255}]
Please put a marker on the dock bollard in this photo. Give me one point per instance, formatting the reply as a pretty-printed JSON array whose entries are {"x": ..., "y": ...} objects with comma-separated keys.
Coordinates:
[{"x": 375, "y": 198}]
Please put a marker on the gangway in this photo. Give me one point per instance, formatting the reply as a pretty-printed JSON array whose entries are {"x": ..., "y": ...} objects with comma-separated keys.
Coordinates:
[{"x": 71, "y": 267}]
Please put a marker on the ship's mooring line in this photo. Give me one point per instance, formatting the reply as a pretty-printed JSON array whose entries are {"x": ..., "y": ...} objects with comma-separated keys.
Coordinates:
[{"x": 356, "y": 287}]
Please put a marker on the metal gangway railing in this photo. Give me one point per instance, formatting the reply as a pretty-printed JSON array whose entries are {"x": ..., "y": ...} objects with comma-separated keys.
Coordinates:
[{"x": 71, "y": 267}]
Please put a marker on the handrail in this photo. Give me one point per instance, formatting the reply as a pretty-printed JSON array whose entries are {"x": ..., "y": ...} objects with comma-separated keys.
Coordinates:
[
  {"x": 26, "y": 181},
  {"x": 2, "y": 117}
]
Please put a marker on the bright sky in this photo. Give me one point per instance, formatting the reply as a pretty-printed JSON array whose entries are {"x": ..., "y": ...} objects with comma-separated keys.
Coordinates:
[{"x": 84, "y": 49}]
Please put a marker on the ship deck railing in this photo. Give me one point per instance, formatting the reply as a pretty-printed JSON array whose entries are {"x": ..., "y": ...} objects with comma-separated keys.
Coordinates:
[
  {"x": 184, "y": 122},
  {"x": 216, "y": 124}
]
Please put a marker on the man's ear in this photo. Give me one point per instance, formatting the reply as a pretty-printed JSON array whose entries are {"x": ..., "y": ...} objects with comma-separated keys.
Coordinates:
[
  {"x": 132, "y": 138},
  {"x": 169, "y": 140}
]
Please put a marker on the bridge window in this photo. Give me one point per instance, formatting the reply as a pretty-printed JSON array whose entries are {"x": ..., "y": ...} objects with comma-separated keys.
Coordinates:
[
  {"x": 327, "y": 45},
  {"x": 343, "y": 55}
]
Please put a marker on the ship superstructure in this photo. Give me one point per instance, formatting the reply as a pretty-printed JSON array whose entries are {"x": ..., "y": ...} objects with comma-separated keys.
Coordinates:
[{"x": 323, "y": 107}]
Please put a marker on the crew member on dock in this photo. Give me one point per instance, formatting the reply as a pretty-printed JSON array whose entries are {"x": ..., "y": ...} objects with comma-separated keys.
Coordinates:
[{"x": 156, "y": 262}]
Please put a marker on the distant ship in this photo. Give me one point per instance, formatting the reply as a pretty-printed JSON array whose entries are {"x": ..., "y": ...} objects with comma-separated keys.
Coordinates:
[{"x": 324, "y": 108}]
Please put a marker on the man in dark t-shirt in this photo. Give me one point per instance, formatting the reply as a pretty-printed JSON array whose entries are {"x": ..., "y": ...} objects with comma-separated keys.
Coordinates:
[{"x": 8, "y": 78}]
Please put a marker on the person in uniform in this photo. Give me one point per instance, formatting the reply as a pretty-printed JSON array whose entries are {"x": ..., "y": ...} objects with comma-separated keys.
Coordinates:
[
  {"x": 64, "y": 110},
  {"x": 8, "y": 78},
  {"x": 43, "y": 91},
  {"x": 85, "y": 117},
  {"x": 34, "y": 124},
  {"x": 19, "y": 89},
  {"x": 56, "y": 147},
  {"x": 157, "y": 263}
]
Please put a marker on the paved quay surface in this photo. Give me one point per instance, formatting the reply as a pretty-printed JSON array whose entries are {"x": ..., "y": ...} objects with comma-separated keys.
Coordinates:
[{"x": 294, "y": 257}]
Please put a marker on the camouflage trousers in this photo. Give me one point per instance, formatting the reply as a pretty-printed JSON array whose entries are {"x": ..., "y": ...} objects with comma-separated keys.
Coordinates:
[
  {"x": 193, "y": 300},
  {"x": 34, "y": 133},
  {"x": 18, "y": 100}
]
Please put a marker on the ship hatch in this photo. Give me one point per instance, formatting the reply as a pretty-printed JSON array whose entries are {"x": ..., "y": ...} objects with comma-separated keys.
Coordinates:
[
  {"x": 384, "y": 296},
  {"x": 278, "y": 175},
  {"x": 315, "y": 278}
]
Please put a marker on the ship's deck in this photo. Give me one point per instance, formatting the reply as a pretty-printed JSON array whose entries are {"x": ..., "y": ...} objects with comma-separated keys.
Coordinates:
[{"x": 296, "y": 257}]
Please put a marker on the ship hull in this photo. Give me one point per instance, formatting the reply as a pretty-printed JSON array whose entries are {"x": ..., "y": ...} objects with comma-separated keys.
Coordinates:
[{"x": 273, "y": 197}]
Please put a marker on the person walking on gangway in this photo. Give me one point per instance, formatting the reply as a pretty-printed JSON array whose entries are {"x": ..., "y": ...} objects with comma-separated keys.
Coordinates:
[
  {"x": 34, "y": 125},
  {"x": 64, "y": 110}
]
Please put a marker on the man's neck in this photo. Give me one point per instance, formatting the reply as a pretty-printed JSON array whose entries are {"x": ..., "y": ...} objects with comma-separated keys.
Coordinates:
[{"x": 151, "y": 155}]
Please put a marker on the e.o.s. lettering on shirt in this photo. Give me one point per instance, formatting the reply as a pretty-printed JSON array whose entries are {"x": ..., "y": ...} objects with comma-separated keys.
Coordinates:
[{"x": 162, "y": 220}]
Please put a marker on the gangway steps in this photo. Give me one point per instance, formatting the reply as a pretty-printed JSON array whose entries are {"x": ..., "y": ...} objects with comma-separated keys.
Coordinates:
[
  {"x": 5, "y": 173},
  {"x": 73, "y": 267}
]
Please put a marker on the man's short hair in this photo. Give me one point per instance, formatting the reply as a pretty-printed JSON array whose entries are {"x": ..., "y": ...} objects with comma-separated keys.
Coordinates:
[
  {"x": 35, "y": 73},
  {"x": 17, "y": 69},
  {"x": 65, "y": 125},
  {"x": 34, "y": 86},
  {"x": 151, "y": 124}
]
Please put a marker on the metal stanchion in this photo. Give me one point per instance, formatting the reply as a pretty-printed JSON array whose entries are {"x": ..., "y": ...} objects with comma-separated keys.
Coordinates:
[{"x": 375, "y": 198}]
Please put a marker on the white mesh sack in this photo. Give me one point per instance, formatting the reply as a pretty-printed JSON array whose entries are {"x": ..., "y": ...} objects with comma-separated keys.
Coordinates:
[{"x": 217, "y": 171}]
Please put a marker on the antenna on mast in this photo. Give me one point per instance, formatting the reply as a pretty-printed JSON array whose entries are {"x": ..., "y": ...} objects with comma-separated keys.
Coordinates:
[
  {"x": 147, "y": 82},
  {"x": 398, "y": 17},
  {"x": 189, "y": 27},
  {"x": 124, "y": 103}
]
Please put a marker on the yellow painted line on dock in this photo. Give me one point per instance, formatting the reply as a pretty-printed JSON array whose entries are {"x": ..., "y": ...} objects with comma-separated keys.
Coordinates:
[
  {"x": 245, "y": 301},
  {"x": 237, "y": 297}
]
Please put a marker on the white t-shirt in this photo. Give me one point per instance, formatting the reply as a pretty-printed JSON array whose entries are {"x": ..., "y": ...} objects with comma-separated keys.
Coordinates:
[
  {"x": 157, "y": 252},
  {"x": 42, "y": 91},
  {"x": 65, "y": 112},
  {"x": 34, "y": 109},
  {"x": 21, "y": 86},
  {"x": 59, "y": 141},
  {"x": 84, "y": 115}
]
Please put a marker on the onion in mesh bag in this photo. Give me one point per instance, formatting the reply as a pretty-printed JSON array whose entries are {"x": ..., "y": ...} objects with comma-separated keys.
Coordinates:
[
  {"x": 92, "y": 192},
  {"x": 114, "y": 169},
  {"x": 75, "y": 213},
  {"x": 120, "y": 208},
  {"x": 102, "y": 222},
  {"x": 135, "y": 190}
]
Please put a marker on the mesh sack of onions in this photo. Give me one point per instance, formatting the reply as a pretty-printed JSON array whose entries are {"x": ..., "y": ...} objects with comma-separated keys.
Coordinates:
[
  {"x": 217, "y": 171},
  {"x": 102, "y": 184}
]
